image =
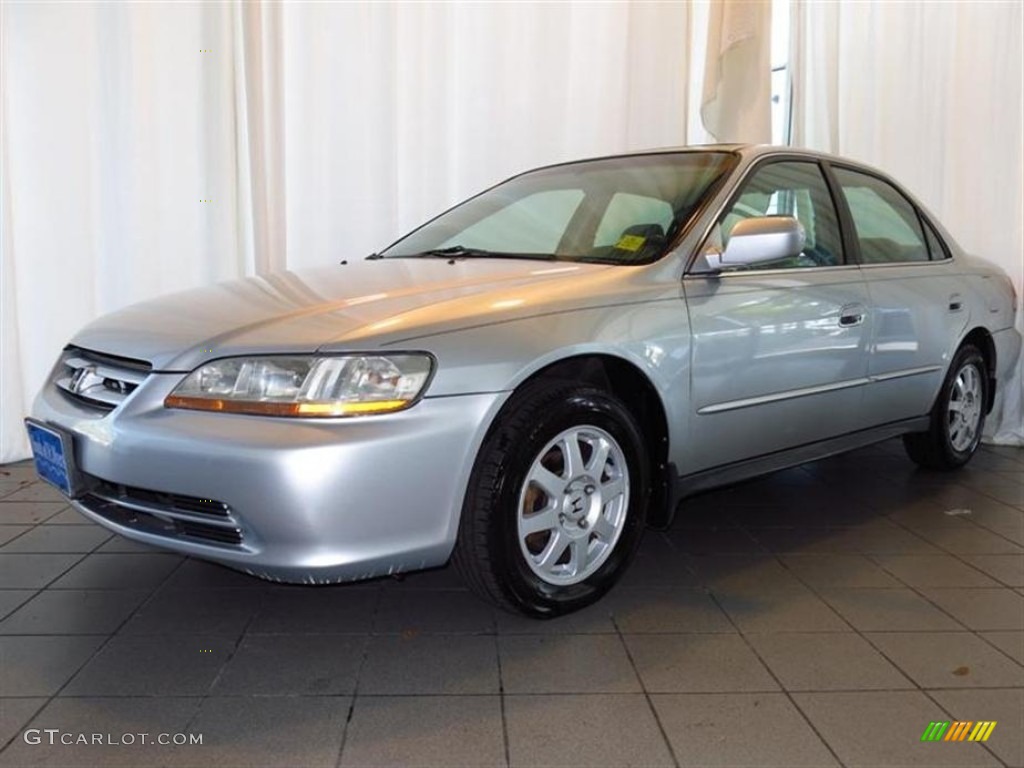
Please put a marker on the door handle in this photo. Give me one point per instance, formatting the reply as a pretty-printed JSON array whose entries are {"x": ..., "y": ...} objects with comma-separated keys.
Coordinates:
[
  {"x": 955, "y": 303},
  {"x": 851, "y": 315}
]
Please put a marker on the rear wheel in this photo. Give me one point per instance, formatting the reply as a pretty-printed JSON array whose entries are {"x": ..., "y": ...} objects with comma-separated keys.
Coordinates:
[
  {"x": 556, "y": 503},
  {"x": 957, "y": 417}
]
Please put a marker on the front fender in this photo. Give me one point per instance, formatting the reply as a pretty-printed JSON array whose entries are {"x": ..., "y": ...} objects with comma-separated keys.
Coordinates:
[{"x": 652, "y": 336}]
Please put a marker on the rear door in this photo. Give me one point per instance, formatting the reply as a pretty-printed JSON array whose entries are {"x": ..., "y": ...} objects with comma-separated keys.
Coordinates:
[
  {"x": 914, "y": 294},
  {"x": 780, "y": 350}
]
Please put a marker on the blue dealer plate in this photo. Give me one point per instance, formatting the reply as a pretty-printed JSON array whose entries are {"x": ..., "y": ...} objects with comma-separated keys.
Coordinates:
[{"x": 51, "y": 450}]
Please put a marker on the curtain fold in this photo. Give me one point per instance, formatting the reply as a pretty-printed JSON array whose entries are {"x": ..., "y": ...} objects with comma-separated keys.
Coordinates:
[
  {"x": 259, "y": 134},
  {"x": 736, "y": 103},
  {"x": 934, "y": 94},
  {"x": 151, "y": 147}
]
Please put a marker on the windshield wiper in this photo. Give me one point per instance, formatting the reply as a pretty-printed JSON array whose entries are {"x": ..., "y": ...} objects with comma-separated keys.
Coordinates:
[
  {"x": 461, "y": 251},
  {"x": 456, "y": 250}
]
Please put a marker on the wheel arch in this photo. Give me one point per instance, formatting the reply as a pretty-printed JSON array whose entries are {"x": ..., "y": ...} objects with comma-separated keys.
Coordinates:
[
  {"x": 628, "y": 382},
  {"x": 980, "y": 337}
]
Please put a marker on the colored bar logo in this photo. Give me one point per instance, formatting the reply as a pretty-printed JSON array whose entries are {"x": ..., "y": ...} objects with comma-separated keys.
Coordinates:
[{"x": 959, "y": 730}]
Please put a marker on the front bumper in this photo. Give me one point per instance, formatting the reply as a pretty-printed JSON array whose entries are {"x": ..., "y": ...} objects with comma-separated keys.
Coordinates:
[{"x": 311, "y": 501}]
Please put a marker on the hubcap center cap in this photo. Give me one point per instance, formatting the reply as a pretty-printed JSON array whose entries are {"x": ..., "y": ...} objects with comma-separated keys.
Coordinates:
[{"x": 579, "y": 499}]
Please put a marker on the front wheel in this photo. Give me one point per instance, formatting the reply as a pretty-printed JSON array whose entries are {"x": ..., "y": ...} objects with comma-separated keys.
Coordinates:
[
  {"x": 556, "y": 503},
  {"x": 957, "y": 417}
]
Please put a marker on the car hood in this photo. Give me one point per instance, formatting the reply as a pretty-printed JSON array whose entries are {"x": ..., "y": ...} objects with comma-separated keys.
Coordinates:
[{"x": 363, "y": 305}]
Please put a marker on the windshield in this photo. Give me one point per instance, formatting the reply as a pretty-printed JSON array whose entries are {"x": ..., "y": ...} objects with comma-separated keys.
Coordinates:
[{"x": 621, "y": 210}]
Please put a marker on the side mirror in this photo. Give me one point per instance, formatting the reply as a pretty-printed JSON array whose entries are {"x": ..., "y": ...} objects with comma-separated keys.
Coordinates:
[{"x": 753, "y": 241}]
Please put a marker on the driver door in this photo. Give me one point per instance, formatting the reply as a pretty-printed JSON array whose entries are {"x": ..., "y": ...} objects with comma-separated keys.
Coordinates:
[{"x": 780, "y": 349}]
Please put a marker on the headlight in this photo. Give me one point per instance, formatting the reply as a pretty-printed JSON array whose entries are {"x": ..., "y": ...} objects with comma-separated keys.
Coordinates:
[{"x": 305, "y": 386}]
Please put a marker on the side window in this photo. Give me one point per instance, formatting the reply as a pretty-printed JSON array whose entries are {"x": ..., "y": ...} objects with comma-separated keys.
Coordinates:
[
  {"x": 936, "y": 247},
  {"x": 533, "y": 224},
  {"x": 887, "y": 225},
  {"x": 796, "y": 189},
  {"x": 626, "y": 212}
]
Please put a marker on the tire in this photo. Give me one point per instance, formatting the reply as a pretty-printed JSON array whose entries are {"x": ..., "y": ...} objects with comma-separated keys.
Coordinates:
[
  {"x": 542, "y": 552},
  {"x": 951, "y": 438}
]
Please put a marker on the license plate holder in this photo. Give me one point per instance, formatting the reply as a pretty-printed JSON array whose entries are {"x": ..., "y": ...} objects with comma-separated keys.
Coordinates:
[{"x": 54, "y": 456}]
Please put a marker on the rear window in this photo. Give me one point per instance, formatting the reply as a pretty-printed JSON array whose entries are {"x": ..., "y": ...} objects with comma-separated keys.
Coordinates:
[{"x": 887, "y": 226}]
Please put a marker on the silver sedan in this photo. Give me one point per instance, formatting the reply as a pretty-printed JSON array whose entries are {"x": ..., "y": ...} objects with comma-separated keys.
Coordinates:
[{"x": 529, "y": 380}]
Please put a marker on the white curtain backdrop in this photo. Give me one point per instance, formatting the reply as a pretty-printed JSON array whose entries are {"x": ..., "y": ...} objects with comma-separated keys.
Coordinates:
[
  {"x": 934, "y": 94},
  {"x": 149, "y": 147},
  {"x": 392, "y": 112}
]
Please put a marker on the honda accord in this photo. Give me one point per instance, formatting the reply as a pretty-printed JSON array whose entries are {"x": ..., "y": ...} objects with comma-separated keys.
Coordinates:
[{"x": 527, "y": 381}]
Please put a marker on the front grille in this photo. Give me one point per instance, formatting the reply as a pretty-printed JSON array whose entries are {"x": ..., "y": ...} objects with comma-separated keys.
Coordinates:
[
  {"x": 98, "y": 381},
  {"x": 163, "y": 514}
]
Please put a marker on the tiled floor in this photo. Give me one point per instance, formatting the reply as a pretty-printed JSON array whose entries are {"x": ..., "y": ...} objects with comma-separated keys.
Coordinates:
[{"x": 822, "y": 616}]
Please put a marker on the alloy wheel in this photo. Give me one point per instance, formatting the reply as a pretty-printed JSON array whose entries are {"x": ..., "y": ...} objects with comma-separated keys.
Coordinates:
[
  {"x": 572, "y": 507},
  {"x": 965, "y": 408}
]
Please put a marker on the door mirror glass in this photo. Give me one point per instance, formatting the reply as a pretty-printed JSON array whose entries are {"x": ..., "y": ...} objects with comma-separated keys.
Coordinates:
[{"x": 758, "y": 240}]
